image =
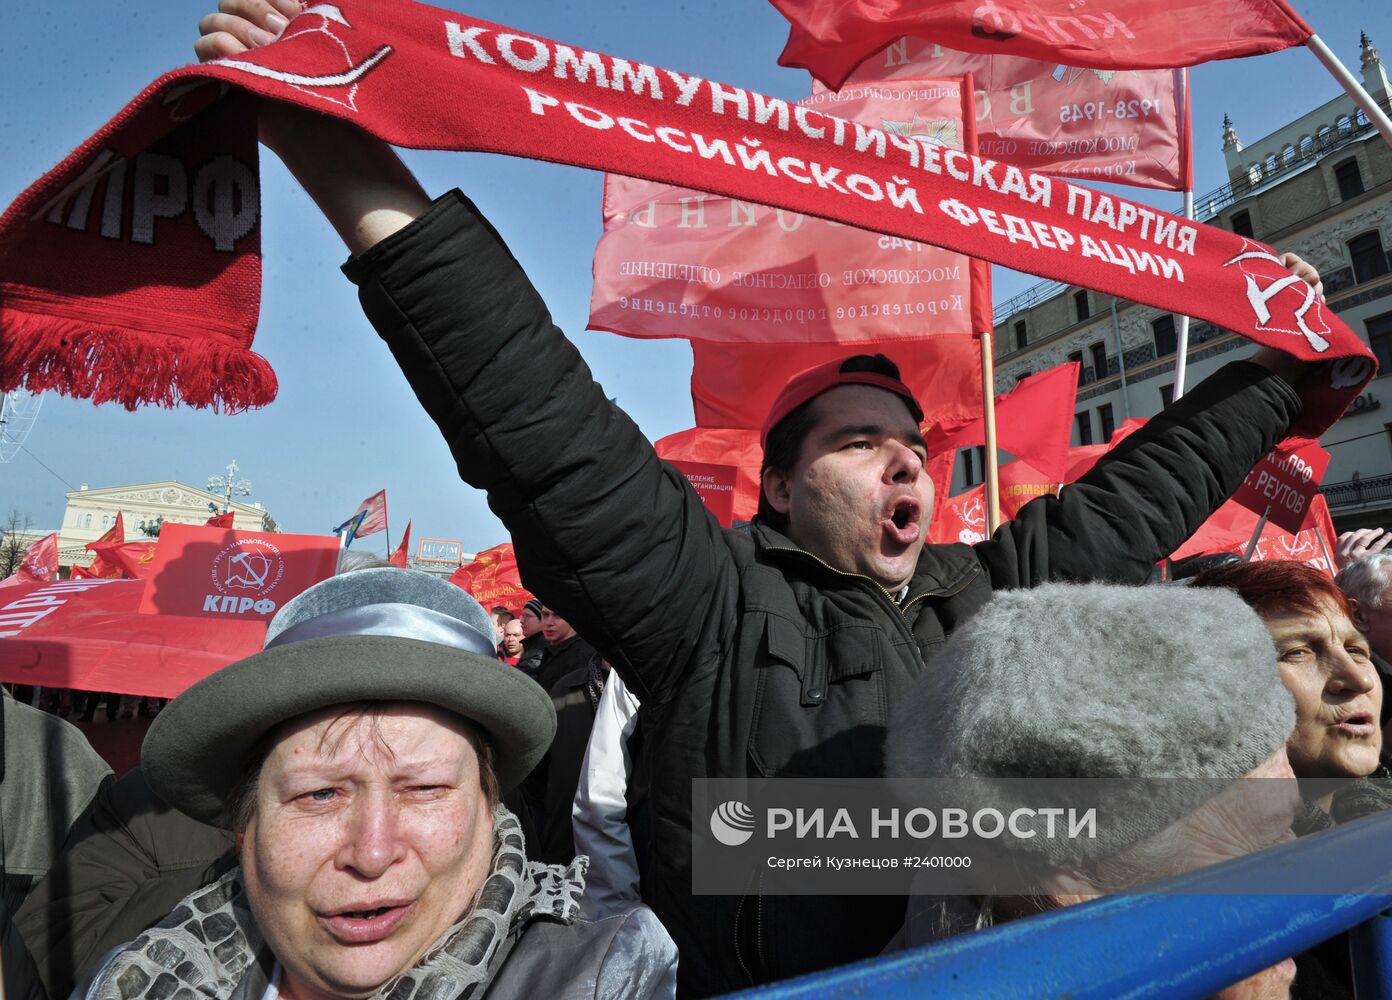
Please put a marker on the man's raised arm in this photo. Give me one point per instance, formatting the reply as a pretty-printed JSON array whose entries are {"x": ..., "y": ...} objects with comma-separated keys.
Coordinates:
[
  {"x": 1156, "y": 488},
  {"x": 605, "y": 532},
  {"x": 356, "y": 179}
]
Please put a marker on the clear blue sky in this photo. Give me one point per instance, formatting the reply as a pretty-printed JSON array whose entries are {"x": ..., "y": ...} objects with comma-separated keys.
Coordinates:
[{"x": 345, "y": 423}]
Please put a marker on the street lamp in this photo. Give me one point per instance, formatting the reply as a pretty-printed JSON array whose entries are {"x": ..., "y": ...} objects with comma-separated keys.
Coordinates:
[{"x": 228, "y": 485}]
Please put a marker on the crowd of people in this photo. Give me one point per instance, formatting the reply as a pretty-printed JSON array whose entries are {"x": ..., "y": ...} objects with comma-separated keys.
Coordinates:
[{"x": 406, "y": 794}]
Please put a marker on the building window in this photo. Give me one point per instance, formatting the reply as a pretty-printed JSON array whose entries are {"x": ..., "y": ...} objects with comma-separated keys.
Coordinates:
[
  {"x": 1307, "y": 147},
  {"x": 1345, "y": 126},
  {"x": 1099, "y": 360},
  {"x": 1242, "y": 224},
  {"x": 1380, "y": 336},
  {"x": 1366, "y": 253},
  {"x": 1077, "y": 357},
  {"x": 1021, "y": 337},
  {"x": 1349, "y": 178},
  {"x": 1166, "y": 341},
  {"x": 1107, "y": 421},
  {"x": 1080, "y": 302},
  {"x": 86, "y": 520},
  {"x": 1326, "y": 136},
  {"x": 1166, "y": 395},
  {"x": 1084, "y": 421},
  {"x": 968, "y": 473}
]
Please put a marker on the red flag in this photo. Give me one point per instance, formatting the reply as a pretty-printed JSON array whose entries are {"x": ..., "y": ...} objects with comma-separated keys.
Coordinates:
[
  {"x": 218, "y": 573},
  {"x": 1231, "y": 527},
  {"x": 374, "y": 509},
  {"x": 734, "y": 385},
  {"x": 115, "y": 534},
  {"x": 829, "y": 38},
  {"x": 134, "y": 559},
  {"x": 674, "y": 262},
  {"x": 1285, "y": 482},
  {"x": 82, "y": 573},
  {"x": 1033, "y": 422},
  {"x": 714, "y": 484},
  {"x": 401, "y": 558},
  {"x": 41, "y": 560},
  {"x": 87, "y": 634},
  {"x": 963, "y": 518},
  {"x": 221, "y": 520},
  {"x": 737, "y": 446},
  {"x": 1126, "y": 126},
  {"x": 493, "y": 579},
  {"x": 102, "y": 567}
]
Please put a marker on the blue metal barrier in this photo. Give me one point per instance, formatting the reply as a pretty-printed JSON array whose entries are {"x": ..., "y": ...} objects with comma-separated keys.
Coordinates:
[
  {"x": 1187, "y": 937},
  {"x": 1371, "y": 945}
]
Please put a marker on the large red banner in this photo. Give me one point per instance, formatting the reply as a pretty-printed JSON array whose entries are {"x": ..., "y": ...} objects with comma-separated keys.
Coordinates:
[
  {"x": 81, "y": 310},
  {"x": 89, "y": 635},
  {"x": 733, "y": 385},
  {"x": 219, "y": 573},
  {"x": 1125, "y": 126},
  {"x": 829, "y": 37},
  {"x": 675, "y": 262}
]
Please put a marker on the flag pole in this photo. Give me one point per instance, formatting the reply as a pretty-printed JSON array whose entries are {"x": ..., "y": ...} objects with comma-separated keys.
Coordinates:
[
  {"x": 1256, "y": 535},
  {"x": 1182, "y": 335},
  {"x": 386, "y": 522},
  {"x": 1182, "y": 338},
  {"x": 1329, "y": 560},
  {"x": 1351, "y": 85},
  {"x": 988, "y": 415}
]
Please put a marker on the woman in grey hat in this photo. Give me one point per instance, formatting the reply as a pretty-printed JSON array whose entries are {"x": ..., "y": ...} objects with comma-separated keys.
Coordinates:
[
  {"x": 1171, "y": 692},
  {"x": 360, "y": 759}
]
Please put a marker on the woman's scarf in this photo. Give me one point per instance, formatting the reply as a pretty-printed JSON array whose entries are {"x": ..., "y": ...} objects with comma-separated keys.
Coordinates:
[{"x": 210, "y": 942}]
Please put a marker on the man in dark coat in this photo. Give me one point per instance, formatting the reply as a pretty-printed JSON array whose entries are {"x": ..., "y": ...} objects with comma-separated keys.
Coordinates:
[
  {"x": 550, "y": 788},
  {"x": 565, "y": 652},
  {"x": 774, "y": 651},
  {"x": 533, "y": 642}
]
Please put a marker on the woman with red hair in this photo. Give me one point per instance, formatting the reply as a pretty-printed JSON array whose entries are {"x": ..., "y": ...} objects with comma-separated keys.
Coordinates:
[{"x": 1324, "y": 662}]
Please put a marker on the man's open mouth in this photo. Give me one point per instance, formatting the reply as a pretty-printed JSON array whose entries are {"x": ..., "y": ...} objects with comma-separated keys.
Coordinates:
[{"x": 902, "y": 520}]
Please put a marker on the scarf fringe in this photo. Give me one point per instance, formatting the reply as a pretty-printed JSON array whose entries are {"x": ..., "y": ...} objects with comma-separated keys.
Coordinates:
[{"x": 109, "y": 364}]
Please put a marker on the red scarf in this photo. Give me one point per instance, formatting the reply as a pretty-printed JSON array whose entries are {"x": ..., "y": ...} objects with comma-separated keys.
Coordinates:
[{"x": 131, "y": 270}]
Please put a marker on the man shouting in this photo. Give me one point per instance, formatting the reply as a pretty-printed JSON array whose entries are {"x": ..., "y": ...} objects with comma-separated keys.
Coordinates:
[{"x": 775, "y": 651}]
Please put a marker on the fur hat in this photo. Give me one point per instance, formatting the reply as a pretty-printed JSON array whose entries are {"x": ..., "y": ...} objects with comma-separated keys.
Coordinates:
[
  {"x": 1097, "y": 681},
  {"x": 372, "y": 635}
]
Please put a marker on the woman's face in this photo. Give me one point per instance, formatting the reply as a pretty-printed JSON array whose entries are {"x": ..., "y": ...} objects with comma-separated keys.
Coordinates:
[
  {"x": 371, "y": 836},
  {"x": 1338, "y": 696}
]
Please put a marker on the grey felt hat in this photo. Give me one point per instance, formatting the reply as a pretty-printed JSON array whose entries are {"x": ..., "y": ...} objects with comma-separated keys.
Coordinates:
[
  {"x": 1093, "y": 681},
  {"x": 373, "y": 635}
]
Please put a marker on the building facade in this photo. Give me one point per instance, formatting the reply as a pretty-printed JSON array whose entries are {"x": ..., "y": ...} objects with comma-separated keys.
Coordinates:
[
  {"x": 1322, "y": 187},
  {"x": 90, "y": 513}
]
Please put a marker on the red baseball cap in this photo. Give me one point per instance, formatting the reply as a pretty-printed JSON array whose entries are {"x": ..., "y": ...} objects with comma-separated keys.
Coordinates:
[{"x": 816, "y": 380}]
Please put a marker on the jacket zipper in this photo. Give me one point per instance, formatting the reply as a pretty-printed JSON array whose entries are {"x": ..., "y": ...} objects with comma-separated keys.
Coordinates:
[{"x": 876, "y": 585}]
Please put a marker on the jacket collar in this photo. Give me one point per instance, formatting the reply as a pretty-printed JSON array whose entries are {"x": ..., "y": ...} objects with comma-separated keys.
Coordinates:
[{"x": 942, "y": 569}]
